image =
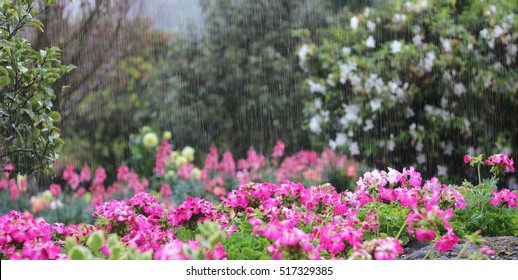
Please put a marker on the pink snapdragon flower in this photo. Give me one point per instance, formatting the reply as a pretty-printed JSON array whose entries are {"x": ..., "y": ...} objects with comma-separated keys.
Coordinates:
[
  {"x": 161, "y": 157},
  {"x": 185, "y": 171},
  {"x": 278, "y": 150},
  {"x": 84, "y": 176},
  {"x": 55, "y": 189}
]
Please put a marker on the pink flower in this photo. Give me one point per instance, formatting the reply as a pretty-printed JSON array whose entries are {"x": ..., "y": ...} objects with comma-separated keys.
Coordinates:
[
  {"x": 447, "y": 242},
  {"x": 424, "y": 234},
  {"x": 278, "y": 150},
  {"x": 227, "y": 165},
  {"x": 165, "y": 190},
  {"x": 85, "y": 174},
  {"x": 123, "y": 173},
  {"x": 55, "y": 189},
  {"x": 161, "y": 157},
  {"x": 100, "y": 176},
  {"x": 13, "y": 188},
  {"x": 467, "y": 159},
  {"x": 185, "y": 171}
]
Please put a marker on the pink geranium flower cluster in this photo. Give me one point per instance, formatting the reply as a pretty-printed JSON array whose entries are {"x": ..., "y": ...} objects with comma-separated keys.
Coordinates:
[
  {"x": 195, "y": 210},
  {"x": 23, "y": 237},
  {"x": 504, "y": 198},
  {"x": 502, "y": 161},
  {"x": 141, "y": 221}
]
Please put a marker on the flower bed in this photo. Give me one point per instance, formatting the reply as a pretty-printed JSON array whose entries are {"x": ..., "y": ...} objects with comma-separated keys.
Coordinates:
[{"x": 387, "y": 210}]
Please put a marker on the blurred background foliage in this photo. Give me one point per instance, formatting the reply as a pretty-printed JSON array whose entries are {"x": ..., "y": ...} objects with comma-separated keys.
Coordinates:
[{"x": 232, "y": 79}]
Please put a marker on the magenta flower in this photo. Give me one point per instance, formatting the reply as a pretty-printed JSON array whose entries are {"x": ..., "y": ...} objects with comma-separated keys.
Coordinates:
[
  {"x": 447, "y": 242},
  {"x": 424, "y": 234},
  {"x": 467, "y": 159}
]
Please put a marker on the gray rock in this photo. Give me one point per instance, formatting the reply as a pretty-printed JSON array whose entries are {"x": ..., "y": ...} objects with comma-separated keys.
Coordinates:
[{"x": 505, "y": 247}]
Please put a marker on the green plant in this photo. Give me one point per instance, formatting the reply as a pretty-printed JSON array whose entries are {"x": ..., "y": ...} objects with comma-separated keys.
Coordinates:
[
  {"x": 29, "y": 137},
  {"x": 480, "y": 214},
  {"x": 244, "y": 245},
  {"x": 98, "y": 247}
]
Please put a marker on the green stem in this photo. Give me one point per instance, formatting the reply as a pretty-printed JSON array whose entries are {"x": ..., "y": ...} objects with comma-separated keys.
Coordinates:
[
  {"x": 478, "y": 171},
  {"x": 462, "y": 250},
  {"x": 400, "y": 230},
  {"x": 429, "y": 253}
]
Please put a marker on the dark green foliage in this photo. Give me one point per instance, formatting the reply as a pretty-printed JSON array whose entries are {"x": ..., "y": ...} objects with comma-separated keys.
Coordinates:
[
  {"x": 239, "y": 85},
  {"x": 29, "y": 138}
]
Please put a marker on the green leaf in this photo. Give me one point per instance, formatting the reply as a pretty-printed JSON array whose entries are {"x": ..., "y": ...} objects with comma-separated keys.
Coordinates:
[
  {"x": 95, "y": 241},
  {"x": 4, "y": 81},
  {"x": 55, "y": 116},
  {"x": 77, "y": 253}
]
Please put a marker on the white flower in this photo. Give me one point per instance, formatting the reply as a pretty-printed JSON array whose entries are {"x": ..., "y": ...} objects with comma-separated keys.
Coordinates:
[
  {"x": 317, "y": 103},
  {"x": 314, "y": 124},
  {"x": 491, "y": 10},
  {"x": 346, "y": 51},
  {"x": 417, "y": 40},
  {"x": 370, "y": 42},
  {"x": 368, "y": 125},
  {"x": 56, "y": 204},
  {"x": 374, "y": 82},
  {"x": 341, "y": 139},
  {"x": 371, "y": 26},
  {"x": 399, "y": 18},
  {"x": 316, "y": 88},
  {"x": 392, "y": 176},
  {"x": 459, "y": 89},
  {"x": 442, "y": 170},
  {"x": 498, "y": 31},
  {"x": 409, "y": 112},
  {"x": 346, "y": 70},
  {"x": 354, "y": 23},
  {"x": 395, "y": 46},
  {"x": 427, "y": 64},
  {"x": 304, "y": 51},
  {"x": 421, "y": 158},
  {"x": 351, "y": 114},
  {"x": 445, "y": 44},
  {"x": 354, "y": 149},
  {"x": 391, "y": 145},
  {"x": 447, "y": 148},
  {"x": 375, "y": 104},
  {"x": 324, "y": 116},
  {"x": 419, "y": 146},
  {"x": 413, "y": 131}
]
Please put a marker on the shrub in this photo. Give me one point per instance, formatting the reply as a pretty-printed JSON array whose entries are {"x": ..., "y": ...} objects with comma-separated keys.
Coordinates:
[
  {"x": 28, "y": 136},
  {"x": 404, "y": 83}
]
